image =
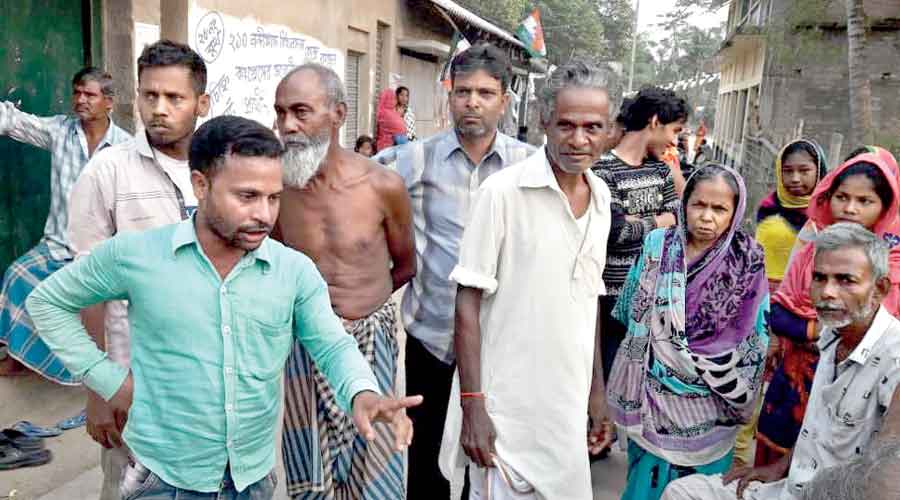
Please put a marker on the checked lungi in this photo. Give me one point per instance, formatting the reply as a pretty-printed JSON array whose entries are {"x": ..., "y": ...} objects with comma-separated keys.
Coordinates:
[
  {"x": 16, "y": 329},
  {"x": 325, "y": 457}
]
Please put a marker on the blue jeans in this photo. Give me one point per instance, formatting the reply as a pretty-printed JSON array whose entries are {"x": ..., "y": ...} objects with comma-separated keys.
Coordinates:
[{"x": 151, "y": 487}]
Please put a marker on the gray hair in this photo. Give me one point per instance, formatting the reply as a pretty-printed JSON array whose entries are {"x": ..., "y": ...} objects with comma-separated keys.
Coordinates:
[
  {"x": 870, "y": 477},
  {"x": 92, "y": 74},
  {"x": 334, "y": 87},
  {"x": 850, "y": 235},
  {"x": 574, "y": 74}
]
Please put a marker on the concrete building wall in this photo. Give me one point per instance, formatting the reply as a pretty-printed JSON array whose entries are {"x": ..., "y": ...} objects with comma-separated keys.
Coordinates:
[
  {"x": 876, "y": 11},
  {"x": 118, "y": 40},
  {"x": 147, "y": 11},
  {"x": 351, "y": 26}
]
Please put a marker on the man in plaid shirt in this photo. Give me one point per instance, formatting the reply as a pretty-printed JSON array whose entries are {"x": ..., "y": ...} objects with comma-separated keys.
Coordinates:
[{"x": 71, "y": 140}]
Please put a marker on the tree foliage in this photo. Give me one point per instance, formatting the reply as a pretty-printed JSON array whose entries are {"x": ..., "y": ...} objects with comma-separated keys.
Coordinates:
[{"x": 599, "y": 30}]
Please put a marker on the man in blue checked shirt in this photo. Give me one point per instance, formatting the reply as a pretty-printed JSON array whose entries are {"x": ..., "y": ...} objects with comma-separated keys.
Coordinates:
[
  {"x": 214, "y": 306},
  {"x": 71, "y": 140},
  {"x": 442, "y": 175}
]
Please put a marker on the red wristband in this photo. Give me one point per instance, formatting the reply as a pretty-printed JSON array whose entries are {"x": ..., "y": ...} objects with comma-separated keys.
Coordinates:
[{"x": 472, "y": 395}]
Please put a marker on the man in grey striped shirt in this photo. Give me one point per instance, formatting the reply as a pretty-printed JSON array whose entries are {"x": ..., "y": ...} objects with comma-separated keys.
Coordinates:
[{"x": 442, "y": 174}]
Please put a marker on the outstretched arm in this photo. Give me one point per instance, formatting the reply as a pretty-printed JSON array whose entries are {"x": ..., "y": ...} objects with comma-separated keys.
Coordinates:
[{"x": 30, "y": 129}]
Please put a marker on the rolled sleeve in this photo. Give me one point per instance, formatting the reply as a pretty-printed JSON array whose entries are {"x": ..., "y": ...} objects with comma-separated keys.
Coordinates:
[
  {"x": 473, "y": 279},
  {"x": 54, "y": 308},
  {"x": 322, "y": 334},
  {"x": 481, "y": 243}
]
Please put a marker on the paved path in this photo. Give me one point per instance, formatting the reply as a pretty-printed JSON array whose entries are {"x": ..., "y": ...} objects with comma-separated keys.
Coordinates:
[{"x": 74, "y": 473}]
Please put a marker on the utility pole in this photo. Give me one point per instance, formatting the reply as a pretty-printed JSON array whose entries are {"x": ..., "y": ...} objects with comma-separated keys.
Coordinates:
[{"x": 634, "y": 37}]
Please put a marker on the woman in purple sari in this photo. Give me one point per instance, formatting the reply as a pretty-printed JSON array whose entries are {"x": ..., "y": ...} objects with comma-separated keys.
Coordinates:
[{"x": 696, "y": 305}]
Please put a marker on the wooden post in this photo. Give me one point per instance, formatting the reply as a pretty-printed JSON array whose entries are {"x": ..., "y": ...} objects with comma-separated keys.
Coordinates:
[{"x": 834, "y": 150}]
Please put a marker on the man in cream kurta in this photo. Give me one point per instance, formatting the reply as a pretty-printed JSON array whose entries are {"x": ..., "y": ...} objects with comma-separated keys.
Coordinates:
[{"x": 540, "y": 270}]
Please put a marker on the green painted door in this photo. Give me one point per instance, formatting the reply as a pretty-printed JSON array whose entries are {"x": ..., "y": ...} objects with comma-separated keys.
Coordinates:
[{"x": 44, "y": 45}]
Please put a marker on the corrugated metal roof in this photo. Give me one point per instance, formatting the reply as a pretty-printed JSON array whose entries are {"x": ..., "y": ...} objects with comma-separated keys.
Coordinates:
[{"x": 461, "y": 12}]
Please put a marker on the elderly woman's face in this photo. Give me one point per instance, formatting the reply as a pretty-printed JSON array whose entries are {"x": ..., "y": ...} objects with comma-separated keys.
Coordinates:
[{"x": 709, "y": 210}]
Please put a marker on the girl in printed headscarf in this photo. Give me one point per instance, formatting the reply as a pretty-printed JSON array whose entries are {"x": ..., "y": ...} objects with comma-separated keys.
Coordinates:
[
  {"x": 781, "y": 215},
  {"x": 388, "y": 122},
  {"x": 695, "y": 305},
  {"x": 863, "y": 190}
]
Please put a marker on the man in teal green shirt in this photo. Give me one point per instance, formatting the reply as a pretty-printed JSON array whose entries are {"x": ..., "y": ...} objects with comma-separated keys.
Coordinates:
[{"x": 213, "y": 306}]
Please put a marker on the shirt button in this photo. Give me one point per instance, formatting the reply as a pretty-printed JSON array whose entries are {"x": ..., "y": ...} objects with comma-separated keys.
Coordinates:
[
  {"x": 229, "y": 443},
  {"x": 228, "y": 370},
  {"x": 229, "y": 408},
  {"x": 224, "y": 290},
  {"x": 226, "y": 330}
]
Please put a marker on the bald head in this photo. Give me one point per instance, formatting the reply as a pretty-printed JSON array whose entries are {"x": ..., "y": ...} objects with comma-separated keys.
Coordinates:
[{"x": 316, "y": 75}]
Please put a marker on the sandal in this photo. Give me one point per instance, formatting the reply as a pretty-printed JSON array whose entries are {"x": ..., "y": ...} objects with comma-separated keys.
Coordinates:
[
  {"x": 14, "y": 458},
  {"x": 31, "y": 430},
  {"x": 73, "y": 422},
  {"x": 12, "y": 437}
]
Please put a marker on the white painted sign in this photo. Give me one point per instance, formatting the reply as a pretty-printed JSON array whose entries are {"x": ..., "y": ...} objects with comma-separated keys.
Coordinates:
[{"x": 245, "y": 61}]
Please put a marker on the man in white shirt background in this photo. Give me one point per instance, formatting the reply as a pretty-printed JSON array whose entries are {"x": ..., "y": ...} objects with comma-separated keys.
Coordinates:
[{"x": 529, "y": 275}]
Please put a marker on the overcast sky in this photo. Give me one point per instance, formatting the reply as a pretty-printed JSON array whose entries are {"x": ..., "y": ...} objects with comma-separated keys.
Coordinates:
[{"x": 651, "y": 9}]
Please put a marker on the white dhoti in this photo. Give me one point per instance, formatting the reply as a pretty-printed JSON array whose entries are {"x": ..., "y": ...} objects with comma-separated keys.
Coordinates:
[
  {"x": 710, "y": 487},
  {"x": 499, "y": 483}
]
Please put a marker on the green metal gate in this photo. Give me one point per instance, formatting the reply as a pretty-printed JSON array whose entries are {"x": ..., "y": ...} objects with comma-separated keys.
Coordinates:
[{"x": 44, "y": 43}]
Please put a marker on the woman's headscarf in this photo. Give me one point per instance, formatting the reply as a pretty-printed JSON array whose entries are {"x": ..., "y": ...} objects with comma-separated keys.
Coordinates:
[
  {"x": 781, "y": 201},
  {"x": 388, "y": 121},
  {"x": 704, "y": 323},
  {"x": 726, "y": 285},
  {"x": 715, "y": 300},
  {"x": 794, "y": 290}
]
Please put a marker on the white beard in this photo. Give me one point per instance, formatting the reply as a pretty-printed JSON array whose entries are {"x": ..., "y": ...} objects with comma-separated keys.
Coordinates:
[
  {"x": 853, "y": 317},
  {"x": 835, "y": 325},
  {"x": 303, "y": 158}
]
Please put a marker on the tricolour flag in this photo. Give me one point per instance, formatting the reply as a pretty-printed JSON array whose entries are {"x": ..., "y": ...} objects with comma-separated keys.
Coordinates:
[
  {"x": 532, "y": 34},
  {"x": 458, "y": 45}
]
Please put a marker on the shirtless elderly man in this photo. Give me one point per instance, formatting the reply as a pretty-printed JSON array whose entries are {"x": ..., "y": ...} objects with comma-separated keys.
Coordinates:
[{"x": 352, "y": 217}]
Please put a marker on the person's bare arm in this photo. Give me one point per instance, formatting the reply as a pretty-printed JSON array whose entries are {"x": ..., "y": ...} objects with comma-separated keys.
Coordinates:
[
  {"x": 765, "y": 474},
  {"x": 93, "y": 319},
  {"x": 890, "y": 427},
  {"x": 600, "y": 433},
  {"x": 678, "y": 178},
  {"x": 399, "y": 228},
  {"x": 478, "y": 433}
]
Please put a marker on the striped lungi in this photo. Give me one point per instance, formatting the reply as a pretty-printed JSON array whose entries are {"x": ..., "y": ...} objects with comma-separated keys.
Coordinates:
[
  {"x": 16, "y": 329},
  {"x": 324, "y": 456}
]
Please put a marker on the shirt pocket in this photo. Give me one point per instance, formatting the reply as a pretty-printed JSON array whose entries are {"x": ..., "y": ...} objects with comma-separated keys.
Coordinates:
[
  {"x": 263, "y": 342},
  {"x": 588, "y": 275},
  {"x": 856, "y": 397},
  {"x": 853, "y": 422}
]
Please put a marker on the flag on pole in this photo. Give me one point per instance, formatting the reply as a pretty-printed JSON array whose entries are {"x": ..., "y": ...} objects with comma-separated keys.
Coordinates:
[
  {"x": 458, "y": 45},
  {"x": 531, "y": 34}
]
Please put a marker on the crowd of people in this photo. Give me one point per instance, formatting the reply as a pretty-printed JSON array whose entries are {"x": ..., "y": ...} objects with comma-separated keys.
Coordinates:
[{"x": 597, "y": 291}]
